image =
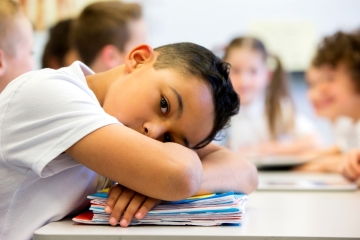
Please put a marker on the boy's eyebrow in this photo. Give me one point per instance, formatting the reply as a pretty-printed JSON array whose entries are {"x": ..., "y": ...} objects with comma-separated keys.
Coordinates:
[
  {"x": 180, "y": 102},
  {"x": 180, "y": 111}
]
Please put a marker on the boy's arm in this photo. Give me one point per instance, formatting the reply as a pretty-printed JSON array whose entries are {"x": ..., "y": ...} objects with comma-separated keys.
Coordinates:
[
  {"x": 225, "y": 171},
  {"x": 222, "y": 171},
  {"x": 166, "y": 171}
]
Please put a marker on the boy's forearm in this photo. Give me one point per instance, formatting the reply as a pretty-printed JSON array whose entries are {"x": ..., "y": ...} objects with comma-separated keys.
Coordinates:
[
  {"x": 225, "y": 171},
  {"x": 165, "y": 171}
]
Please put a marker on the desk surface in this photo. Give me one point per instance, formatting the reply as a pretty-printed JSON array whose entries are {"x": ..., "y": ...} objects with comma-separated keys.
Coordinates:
[{"x": 286, "y": 214}]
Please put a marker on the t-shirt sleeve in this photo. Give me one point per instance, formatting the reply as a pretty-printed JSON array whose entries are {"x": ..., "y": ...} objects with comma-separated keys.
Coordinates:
[{"x": 45, "y": 115}]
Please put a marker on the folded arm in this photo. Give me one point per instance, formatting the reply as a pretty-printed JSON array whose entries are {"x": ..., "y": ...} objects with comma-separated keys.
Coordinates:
[
  {"x": 225, "y": 171},
  {"x": 166, "y": 171}
]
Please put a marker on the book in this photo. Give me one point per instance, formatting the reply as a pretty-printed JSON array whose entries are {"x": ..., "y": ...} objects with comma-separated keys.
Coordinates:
[{"x": 204, "y": 210}]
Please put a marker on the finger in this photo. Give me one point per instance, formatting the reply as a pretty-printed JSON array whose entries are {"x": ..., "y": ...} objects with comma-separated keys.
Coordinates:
[
  {"x": 114, "y": 194},
  {"x": 111, "y": 188},
  {"x": 349, "y": 171},
  {"x": 132, "y": 208},
  {"x": 120, "y": 206},
  {"x": 146, "y": 207}
]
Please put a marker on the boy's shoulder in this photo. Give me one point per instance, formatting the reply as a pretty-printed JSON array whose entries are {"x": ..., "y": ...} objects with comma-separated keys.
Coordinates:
[{"x": 76, "y": 72}]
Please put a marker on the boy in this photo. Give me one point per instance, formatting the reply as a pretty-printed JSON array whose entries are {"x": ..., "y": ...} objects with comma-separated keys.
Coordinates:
[
  {"x": 105, "y": 32},
  {"x": 16, "y": 43},
  {"x": 334, "y": 91},
  {"x": 56, "y": 125}
]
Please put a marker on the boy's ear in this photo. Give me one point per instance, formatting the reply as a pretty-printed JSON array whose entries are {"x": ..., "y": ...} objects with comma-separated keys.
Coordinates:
[
  {"x": 138, "y": 56},
  {"x": 2, "y": 63}
]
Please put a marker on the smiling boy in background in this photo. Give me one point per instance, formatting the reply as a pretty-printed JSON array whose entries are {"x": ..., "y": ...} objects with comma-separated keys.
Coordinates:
[{"x": 334, "y": 90}]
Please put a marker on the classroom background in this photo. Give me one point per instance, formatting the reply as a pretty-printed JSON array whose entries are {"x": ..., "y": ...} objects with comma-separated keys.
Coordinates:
[{"x": 289, "y": 28}]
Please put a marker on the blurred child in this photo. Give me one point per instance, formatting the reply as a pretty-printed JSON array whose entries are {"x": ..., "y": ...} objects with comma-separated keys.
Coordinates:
[
  {"x": 334, "y": 90},
  {"x": 105, "y": 32},
  {"x": 16, "y": 43},
  {"x": 267, "y": 123},
  {"x": 146, "y": 124},
  {"x": 57, "y": 52}
]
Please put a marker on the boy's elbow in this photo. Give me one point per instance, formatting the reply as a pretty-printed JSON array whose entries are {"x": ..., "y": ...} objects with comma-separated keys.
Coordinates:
[
  {"x": 187, "y": 179},
  {"x": 252, "y": 179}
]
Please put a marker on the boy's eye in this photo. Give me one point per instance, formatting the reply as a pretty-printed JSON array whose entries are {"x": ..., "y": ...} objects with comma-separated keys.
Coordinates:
[
  {"x": 164, "y": 106},
  {"x": 168, "y": 138}
]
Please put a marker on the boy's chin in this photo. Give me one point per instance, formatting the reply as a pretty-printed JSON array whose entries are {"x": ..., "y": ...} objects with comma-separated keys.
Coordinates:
[{"x": 332, "y": 115}]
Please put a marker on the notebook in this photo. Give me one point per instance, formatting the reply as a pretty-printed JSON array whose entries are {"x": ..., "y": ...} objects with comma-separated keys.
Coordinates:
[{"x": 205, "y": 210}]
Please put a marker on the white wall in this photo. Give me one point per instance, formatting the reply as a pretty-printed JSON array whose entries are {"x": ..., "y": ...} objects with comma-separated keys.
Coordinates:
[{"x": 212, "y": 23}]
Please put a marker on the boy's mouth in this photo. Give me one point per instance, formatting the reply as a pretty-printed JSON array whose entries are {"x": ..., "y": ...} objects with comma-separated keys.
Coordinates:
[{"x": 324, "y": 103}]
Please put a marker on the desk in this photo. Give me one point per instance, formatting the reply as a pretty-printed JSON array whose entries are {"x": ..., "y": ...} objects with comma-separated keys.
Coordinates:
[{"x": 269, "y": 214}]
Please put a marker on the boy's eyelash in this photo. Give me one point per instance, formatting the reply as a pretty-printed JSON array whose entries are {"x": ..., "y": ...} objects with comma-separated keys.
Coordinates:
[
  {"x": 167, "y": 104},
  {"x": 168, "y": 138}
]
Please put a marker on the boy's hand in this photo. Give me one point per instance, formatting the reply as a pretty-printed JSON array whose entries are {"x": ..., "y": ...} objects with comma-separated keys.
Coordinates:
[
  {"x": 350, "y": 166},
  {"x": 126, "y": 202}
]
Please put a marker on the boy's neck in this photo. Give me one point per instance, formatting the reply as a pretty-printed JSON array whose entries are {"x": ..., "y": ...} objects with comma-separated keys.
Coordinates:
[{"x": 100, "y": 83}]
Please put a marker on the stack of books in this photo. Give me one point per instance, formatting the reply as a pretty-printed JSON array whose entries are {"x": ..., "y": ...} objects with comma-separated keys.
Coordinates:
[{"x": 205, "y": 210}]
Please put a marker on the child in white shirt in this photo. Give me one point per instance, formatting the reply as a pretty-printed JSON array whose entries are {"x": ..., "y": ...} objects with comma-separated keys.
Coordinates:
[
  {"x": 334, "y": 90},
  {"x": 146, "y": 124},
  {"x": 267, "y": 123}
]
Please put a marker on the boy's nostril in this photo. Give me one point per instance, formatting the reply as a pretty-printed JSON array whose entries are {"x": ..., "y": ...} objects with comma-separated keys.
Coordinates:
[{"x": 146, "y": 131}]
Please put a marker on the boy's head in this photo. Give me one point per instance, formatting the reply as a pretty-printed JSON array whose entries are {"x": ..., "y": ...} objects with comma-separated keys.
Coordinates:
[
  {"x": 105, "y": 31},
  {"x": 334, "y": 77},
  {"x": 178, "y": 92},
  {"x": 57, "y": 52},
  {"x": 16, "y": 43}
]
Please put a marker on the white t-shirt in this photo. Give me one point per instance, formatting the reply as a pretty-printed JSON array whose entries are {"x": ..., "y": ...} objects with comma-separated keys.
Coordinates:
[
  {"x": 250, "y": 127},
  {"x": 347, "y": 133},
  {"x": 42, "y": 114}
]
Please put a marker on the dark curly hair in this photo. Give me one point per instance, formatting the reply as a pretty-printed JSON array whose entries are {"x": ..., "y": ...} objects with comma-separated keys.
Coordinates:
[
  {"x": 194, "y": 60},
  {"x": 341, "y": 48}
]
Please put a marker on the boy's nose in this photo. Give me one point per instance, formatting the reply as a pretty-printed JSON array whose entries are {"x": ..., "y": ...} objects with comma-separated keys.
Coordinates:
[
  {"x": 244, "y": 79},
  {"x": 154, "y": 130}
]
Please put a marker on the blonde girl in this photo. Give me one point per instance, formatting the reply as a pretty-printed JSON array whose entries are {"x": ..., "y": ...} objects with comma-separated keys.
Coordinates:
[{"x": 267, "y": 123}]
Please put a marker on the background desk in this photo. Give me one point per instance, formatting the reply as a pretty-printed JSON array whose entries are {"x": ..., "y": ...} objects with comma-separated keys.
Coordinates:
[{"x": 269, "y": 214}]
